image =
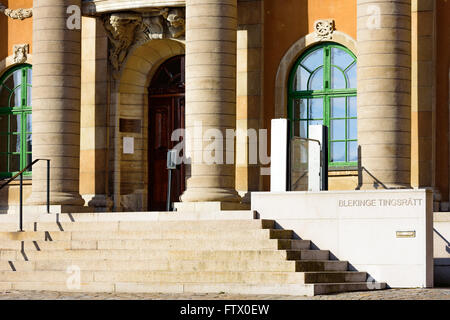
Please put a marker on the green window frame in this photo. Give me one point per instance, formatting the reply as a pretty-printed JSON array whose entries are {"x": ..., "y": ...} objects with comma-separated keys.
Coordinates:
[
  {"x": 15, "y": 121},
  {"x": 322, "y": 90}
]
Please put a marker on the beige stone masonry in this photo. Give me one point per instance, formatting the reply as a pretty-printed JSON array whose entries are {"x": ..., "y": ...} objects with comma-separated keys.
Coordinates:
[
  {"x": 56, "y": 104},
  {"x": 208, "y": 23},
  {"x": 384, "y": 51}
]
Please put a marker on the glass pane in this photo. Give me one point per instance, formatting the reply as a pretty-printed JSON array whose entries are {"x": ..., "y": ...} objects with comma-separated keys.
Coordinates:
[
  {"x": 313, "y": 60},
  {"x": 316, "y": 80},
  {"x": 351, "y": 106},
  {"x": 337, "y": 129},
  {"x": 351, "y": 76},
  {"x": 29, "y": 142},
  {"x": 340, "y": 58},
  {"x": 4, "y": 123},
  {"x": 338, "y": 151},
  {"x": 337, "y": 79},
  {"x": 14, "y": 162},
  {"x": 16, "y": 98},
  {"x": 4, "y": 97},
  {"x": 3, "y": 163},
  {"x": 300, "y": 109},
  {"x": 352, "y": 150},
  {"x": 352, "y": 129},
  {"x": 9, "y": 82},
  {"x": 14, "y": 143},
  {"x": 28, "y": 96},
  {"x": 316, "y": 108},
  {"x": 303, "y": 129},
  {"x": 15, "y": 123},
  {"x": 17, "y": 76},
  {"x": 301, "y": 79},
  {"x": 29, "y": 160},
  {"x": 29, "y": 76},
  {"x": 3, "y": 143},
  {"x": 337, "y": 107},
  {"x": 29, "y": 122}
]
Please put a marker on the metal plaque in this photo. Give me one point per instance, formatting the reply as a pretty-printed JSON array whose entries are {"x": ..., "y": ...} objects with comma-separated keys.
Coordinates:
[
  {"x": 405, "y": 234},
  {"x": 130, "y": 125}
]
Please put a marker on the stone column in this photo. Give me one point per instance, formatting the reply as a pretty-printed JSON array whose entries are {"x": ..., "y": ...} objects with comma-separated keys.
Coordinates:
[
  {"x": 56, "y": 103},
  {"x": 384, "y": 92},
  {"x": 211, "y": 33}
]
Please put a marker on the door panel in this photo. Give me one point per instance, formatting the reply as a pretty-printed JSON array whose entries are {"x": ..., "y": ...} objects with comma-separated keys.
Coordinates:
[{"x": 166, "y": 114}]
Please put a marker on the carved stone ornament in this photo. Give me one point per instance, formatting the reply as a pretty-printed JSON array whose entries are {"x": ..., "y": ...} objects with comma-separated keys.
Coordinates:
[
  {"x": 19, "y": 14},
  {"x": 20, "y": 53},
  {"x": 324, "y": 29},
  {"x": 126, "y": 30}
]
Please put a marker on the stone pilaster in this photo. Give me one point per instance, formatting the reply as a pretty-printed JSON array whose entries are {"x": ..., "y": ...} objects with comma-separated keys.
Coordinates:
[
  {"x": 384, "y": 92},
  {"x": 56, "y": 103},
  {"x": 211, "y": 33}
]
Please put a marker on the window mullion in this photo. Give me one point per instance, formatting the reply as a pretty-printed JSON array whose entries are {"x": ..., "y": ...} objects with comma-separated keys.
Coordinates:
[{"x": 328, "y": 124}]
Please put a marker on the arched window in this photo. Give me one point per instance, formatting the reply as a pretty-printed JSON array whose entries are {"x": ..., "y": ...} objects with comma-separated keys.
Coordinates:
[
  {"x": 15, "y": 120},
  {"x": 322, "y": 90}
]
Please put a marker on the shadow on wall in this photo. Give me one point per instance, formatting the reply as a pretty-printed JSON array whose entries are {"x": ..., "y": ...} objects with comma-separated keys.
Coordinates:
[{"x": 441, "y": 263}]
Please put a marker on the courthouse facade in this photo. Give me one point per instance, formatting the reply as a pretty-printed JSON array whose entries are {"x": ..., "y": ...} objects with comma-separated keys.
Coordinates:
[{"x": 99, "y": 86}]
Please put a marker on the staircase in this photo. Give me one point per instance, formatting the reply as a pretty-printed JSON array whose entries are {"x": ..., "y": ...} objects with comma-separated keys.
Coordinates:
[{"x": 168, "y": 253}]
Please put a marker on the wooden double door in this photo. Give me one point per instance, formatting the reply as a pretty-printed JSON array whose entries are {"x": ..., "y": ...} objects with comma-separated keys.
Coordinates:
[{"x": 166, "y": 114}]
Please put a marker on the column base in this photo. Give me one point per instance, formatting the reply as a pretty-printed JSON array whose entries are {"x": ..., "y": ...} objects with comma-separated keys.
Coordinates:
[
  {"x": 211, "y": 206},
  {"x": 210, "y": 194},
  {"x": 56, "y": 198},
  {"x": 100, "y": 203}
]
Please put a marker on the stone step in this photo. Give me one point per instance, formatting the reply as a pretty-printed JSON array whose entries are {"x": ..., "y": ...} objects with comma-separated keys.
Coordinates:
[
  {"x": 173, "y": 265},
  {"x": 237, "y": 255},
  {"x": 244, "y": 277},
  {"x": 35, "y": 216},
  {"x": 317, "y": 265},
  {"x": 231, "y": 288},
  {"x": 329, "y": 288},
  {"x": 334, "y": 276},
  {"x": 157, "y": 244},
  {"x": 176, "y": 265},
  {"x": 254, "y": 234},
  {"x": 98, "y": 226}
]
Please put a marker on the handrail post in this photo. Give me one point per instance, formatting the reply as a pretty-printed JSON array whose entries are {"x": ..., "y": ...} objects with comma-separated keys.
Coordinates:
[
  {"x": 48, "y": 185},
  {"x": 21, "y": 204},
  {"x": 358, "y": 187}
]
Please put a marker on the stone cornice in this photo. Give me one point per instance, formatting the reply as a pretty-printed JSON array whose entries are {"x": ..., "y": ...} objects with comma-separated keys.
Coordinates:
[
  {"x": 100, "y": 7},
  {"x": 19, "y": 14}
]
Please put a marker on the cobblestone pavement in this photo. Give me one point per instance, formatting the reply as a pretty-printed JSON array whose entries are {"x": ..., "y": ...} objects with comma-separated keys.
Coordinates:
[{"x": 390, "y": 294}]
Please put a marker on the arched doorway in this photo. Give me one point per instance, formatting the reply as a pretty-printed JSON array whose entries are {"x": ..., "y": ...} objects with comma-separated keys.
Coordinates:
[{"x": 166, "y": 114}]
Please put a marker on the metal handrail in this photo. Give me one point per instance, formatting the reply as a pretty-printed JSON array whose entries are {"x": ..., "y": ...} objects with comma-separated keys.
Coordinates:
[{"x": 20, "y": 173}]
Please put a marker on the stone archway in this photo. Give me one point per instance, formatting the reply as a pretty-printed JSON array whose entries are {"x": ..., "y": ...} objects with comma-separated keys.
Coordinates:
[
  {"x": 131, "y": 101},
  {"x": 291, "y": 56}
]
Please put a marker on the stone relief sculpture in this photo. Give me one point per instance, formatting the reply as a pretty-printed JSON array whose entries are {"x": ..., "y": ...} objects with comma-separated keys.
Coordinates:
[
  {"x": 126, "y": 30},
  {"x": 176, "y": 20},
  {"x": 19, "y": 14},
  {"x": 20, "y": 53},
  {"x": 323, "y": 29},
  {"x": 120, "y": 29}
]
